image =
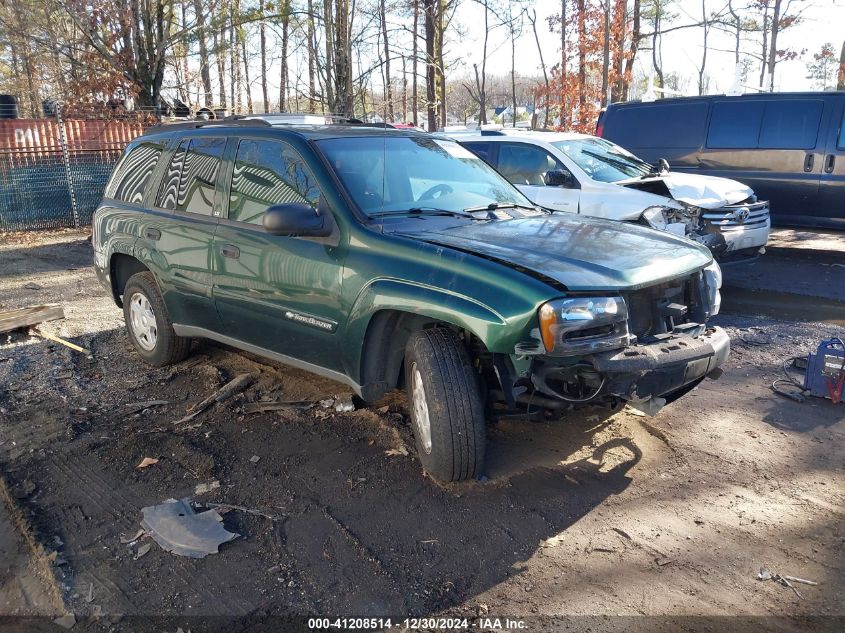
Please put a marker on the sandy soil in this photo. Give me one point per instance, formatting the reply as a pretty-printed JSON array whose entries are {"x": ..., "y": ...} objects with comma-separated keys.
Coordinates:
[{"x": 601, "y": 514}]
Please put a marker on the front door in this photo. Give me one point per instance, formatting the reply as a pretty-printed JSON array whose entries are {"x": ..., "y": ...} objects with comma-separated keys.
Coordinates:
[
  {"x": 831, "y": 204},
  {"x": 526, "y": 166},
  {"x": 278, "y": 293}
]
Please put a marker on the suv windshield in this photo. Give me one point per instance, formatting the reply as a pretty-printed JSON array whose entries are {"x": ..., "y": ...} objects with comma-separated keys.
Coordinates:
[
  {"x": 384, "y": 174},
  {"x": 602, "y": 160}
]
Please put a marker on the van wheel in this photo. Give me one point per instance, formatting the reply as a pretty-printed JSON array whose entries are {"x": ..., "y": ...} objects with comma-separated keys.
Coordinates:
[
  {"x": 148, "y": 323},
  {"x": 446, "y": 408}
]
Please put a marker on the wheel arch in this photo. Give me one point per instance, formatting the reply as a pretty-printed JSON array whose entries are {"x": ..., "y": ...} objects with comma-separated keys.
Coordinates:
[{"x": 121, "y": 269}]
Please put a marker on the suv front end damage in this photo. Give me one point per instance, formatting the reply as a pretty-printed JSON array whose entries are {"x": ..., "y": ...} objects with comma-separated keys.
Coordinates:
[{"x": 645, "y": 347}]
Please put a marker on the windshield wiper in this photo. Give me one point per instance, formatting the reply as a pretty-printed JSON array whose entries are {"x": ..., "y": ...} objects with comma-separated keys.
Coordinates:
[
  {"x": 424, "y": 211},
  {"x": 495, "y": 206},
  {"x": 615, "y": 161}
]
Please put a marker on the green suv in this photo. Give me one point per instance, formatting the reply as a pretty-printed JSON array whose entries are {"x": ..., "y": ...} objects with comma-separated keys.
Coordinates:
[{"x": 387, "y": 258}]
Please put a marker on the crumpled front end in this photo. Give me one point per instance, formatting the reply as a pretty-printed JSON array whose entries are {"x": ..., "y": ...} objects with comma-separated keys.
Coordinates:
[{"x": 645, "y": 347}]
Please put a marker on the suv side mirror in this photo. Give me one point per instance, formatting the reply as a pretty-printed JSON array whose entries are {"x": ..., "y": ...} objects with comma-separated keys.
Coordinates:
[
  {"x": 296, "y": 219},
  {"x": 559, "y": 178}
]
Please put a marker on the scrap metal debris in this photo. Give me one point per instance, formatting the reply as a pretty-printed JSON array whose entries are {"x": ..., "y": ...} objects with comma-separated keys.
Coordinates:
[
  {"x": 128, "y": 540},
  {"x": 229, "y": 506},
  {"x": 178, "y": 529},
  {"x": 396, "y": 452},
  {"x": 236, "y": 385},
  {"x": 202, "y": 489},
  {"x": 766, "y": 574},
  {"x": 142, "y": 551},
  {"x": 344, "y": 404},
  {"x": 147, "y": 461},
  {"x": 67, "y": 621}
]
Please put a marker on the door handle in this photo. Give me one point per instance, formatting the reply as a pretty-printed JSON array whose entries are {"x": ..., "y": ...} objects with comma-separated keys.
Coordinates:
[
  {"x": 829, "y": 162},
  {"x": 232, "y": 252},
  {"x": 152, "y": 234},
  {"x": 809, "y": 159}
]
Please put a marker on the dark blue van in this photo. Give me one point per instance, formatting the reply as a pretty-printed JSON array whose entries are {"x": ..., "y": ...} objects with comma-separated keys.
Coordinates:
[{"x": 788, "y": 147}]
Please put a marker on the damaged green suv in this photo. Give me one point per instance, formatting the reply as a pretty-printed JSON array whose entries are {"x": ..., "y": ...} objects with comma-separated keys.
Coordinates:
[{"x": 387, "y": 258}]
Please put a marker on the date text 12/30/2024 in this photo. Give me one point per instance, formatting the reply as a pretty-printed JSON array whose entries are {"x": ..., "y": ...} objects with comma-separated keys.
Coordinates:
[{"x": 427, "y": 624}]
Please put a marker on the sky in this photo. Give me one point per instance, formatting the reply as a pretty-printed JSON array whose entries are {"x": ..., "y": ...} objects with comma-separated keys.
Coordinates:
[{"x": 823, "y": 21}]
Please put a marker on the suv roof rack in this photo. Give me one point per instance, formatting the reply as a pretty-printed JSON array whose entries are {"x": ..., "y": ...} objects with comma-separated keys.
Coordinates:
[{"x": 193, "y": 125}]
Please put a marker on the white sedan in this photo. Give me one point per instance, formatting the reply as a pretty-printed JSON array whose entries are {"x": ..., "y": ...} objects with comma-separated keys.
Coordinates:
[{"x": 578, "y": 173}]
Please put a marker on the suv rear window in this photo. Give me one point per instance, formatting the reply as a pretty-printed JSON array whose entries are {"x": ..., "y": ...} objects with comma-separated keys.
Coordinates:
[
  {"x": 129, "y": 180},
  {"x": 194, "y": 166}
]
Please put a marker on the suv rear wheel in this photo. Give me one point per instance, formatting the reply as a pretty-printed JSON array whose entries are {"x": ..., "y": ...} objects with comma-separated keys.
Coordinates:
[
  {"x": 148, "y": 323},
  {"x": 447, "y": 412}
]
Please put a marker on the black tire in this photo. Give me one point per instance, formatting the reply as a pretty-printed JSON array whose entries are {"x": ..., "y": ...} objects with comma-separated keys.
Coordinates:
[
  {"x": 167, "y": 348},
  {"x": 455, "y": 410}
]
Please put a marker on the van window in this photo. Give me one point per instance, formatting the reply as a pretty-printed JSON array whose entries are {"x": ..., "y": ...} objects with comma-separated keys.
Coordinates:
[
  {"x": 199, "y": 176},
  {"x": 268, "y": 173},
  {"x": 129, "y": 180},
  {"x": 791, "y": 124},
  {"x": 841, "y": 143},
  {"x": 664, "y": 125},
  {"x": 735, "y": 124},
  {"x": 169, "y": 190}
]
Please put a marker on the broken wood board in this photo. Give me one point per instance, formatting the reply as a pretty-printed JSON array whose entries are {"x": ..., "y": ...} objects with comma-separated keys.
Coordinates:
[{"x": 27, "y": 317}]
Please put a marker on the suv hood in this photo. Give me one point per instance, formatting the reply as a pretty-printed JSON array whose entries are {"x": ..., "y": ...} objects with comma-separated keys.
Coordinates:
[
  {"x": 707, "y": 192},
  {"x": 579, "y": 252}
]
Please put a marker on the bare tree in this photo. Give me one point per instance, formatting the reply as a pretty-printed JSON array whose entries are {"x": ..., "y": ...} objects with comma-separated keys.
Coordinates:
[
  {"x": 533, "y": 19},
  {"x": 840, "y": 80}
]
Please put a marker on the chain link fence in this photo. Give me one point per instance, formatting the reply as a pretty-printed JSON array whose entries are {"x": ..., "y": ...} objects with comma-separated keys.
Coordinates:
[{"x": 53, "y": 171}]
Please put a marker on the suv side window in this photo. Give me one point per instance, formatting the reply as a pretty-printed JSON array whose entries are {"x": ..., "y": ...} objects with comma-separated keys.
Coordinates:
[
  {"x": 169, "y": 190},
  {"x": 130, "y": 177},
  {"x": 791, "y": 124},
  {"x": 524, "y": 164},
  {"x": 735, "y": 125},
  {"x": 267, "y": 173},
  {"x": 841, "y": 143},
  {"x": 198, "y": 179}
]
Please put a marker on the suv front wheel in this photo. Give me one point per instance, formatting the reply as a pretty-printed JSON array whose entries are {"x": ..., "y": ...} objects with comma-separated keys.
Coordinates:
[
  {"x": 148, "y": 323},
  {"x": 447, "y": 412}
]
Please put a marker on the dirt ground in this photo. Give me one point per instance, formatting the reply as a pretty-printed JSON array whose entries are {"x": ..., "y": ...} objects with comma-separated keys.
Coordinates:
[{"x": 664, "y": 521}]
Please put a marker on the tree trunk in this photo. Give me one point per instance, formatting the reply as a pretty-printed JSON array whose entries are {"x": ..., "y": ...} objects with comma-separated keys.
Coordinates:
[
  {"x": 387, "y": 87},
  {"x": 328, "y": 19},
  {"x": 765, "y": 54},
  {"x": 705, "y": 26},
  {"x": 563, "y": 61},
  {"x": 773, "y": 47},
  {"x": 404, "y": 91},
  {"x": 220, "y": 54},
  {"x": 205, "y": 71},
  {"x": 312, "y": 52},
  {"x": 441, "y": 64},
  {"x": 582, "y": 58},
  {"x": 632, "y": 52},
  {"x": 343, "y": 103},
  {"x": 840, "y": 77},
  {"x": 533, "y": 20},
  {"x": 249, "y": 107},
  {"x": 430, "y": 75},
  {"x": 605, "y": 63},
  {"x": 237, "y": 38},
  {"x": 656, "y": 43},
  {"x": 415, "y": 51},
  {"x": 513, "y": 71},
  {"x": 283, "y": 78},
  {"x": 262, "y": 36}
]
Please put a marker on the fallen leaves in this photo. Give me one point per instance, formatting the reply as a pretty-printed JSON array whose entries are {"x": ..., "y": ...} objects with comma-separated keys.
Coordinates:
[{"x": 146, "y": 462}]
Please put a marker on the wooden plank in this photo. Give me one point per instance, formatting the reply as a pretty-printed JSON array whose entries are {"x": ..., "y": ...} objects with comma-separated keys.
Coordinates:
[{"x": 26, "y": 317}]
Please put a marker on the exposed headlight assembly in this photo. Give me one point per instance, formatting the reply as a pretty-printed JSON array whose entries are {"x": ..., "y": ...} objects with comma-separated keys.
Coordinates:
[
  {"x": 712, "y": 284},
  {"x": 656, "y": 218},
  {"x": 583, "y": 325}
]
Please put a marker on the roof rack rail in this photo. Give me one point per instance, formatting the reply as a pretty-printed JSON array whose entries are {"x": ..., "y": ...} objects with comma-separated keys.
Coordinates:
[{"x": 193, "y": 125}]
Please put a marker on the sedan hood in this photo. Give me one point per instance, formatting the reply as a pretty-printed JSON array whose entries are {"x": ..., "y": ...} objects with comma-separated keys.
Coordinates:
[
  {"x": 707, "y": 192},
  {"x": 580, "y": 253}
]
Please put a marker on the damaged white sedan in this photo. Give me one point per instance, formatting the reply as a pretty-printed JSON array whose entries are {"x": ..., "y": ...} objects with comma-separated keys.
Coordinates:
[{"x": 585, "y": 174}]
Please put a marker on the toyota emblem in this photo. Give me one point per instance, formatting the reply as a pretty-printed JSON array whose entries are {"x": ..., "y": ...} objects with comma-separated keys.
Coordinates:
[{"x": 741, "y": 215}]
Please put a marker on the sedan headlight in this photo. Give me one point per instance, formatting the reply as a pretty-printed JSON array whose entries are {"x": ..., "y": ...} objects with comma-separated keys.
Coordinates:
[
  {"x": 712, "y": 283},
  {"x": 579, "y": 325},
  {"x": 655, "y": 217}
]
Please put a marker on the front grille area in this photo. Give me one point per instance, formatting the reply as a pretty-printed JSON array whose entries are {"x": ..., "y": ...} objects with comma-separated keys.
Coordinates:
[
  {"x": 658, "y": 309},
  {"x": 735, "y": 217}
]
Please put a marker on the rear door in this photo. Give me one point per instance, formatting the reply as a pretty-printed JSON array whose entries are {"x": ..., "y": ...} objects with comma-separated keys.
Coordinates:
[
  {"x": 831, "y": 204},
  {"x": 188, "y": 205},
  {"x": 526, "y": 165},
  {"x": 278, "y": 293}
]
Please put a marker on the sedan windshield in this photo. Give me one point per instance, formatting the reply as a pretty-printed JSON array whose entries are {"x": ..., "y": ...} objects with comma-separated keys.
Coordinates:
[
  {"x": 386, "y": 174},
  {"x": 602, "y": 160}
]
